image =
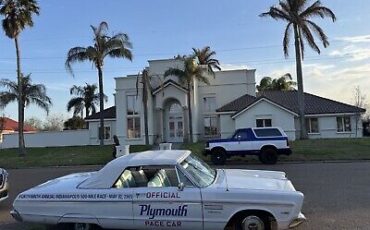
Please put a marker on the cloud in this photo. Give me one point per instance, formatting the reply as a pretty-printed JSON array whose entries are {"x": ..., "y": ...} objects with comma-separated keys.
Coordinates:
[
  {"x": 336, "y": 82},
  {"x": 355, "y": 39},
  {"x": 353, "y": 52}
]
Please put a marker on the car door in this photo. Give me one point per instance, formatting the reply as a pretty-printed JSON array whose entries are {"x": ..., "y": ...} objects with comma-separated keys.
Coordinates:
[
  {"x": 163, "y": 205},
  {"x": 115, "y": 208}
]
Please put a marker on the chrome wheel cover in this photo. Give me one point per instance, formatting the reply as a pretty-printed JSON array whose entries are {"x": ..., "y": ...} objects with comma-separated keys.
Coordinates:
[{"x": 253, "y": 223}]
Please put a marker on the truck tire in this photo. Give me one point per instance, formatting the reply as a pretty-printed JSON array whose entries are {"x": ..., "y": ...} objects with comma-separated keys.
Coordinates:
[
  {"x": 218, "y": 156},
  {"x": 268, "y": 156}
]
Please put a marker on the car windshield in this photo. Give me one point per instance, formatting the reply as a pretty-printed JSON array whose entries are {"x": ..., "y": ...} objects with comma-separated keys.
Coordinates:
[{"x": 201, "y": 172}]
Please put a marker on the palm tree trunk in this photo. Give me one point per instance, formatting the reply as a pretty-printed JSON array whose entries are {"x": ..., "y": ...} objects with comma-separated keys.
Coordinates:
[
  {"x": 190, "y": 114},
  {"x": 145, "y": 104},
  {"x": 101, "y": 99},
  {"x": 21, "y": 150},
  {"x": 301, "y": 102}
]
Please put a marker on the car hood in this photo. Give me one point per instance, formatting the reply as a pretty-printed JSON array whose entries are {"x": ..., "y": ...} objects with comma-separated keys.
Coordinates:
[{"x": 256, "y": 179}]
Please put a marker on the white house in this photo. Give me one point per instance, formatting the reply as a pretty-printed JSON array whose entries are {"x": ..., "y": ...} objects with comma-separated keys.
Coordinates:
[{"x": 228, "y": 103}]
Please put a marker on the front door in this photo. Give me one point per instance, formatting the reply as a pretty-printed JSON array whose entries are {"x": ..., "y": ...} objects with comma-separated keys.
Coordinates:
[
  {"x": 175, "y": 125},
  {"x": 175, "y": 129}
]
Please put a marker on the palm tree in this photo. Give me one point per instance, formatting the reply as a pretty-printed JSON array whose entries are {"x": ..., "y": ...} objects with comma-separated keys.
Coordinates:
[
  {"x": 116, "y": 46},
  {"x": 86, "y": 97},
  {"x": 30, "y": 94},
  {"x": 298, "y": 16},
  {"x": 187, "y": 75},
  {"x": 283, "y": 83},
  {"x": 145, "y": 80},
  {"x": 17, "y": 16},
  {"x": 205, "y": 57}
]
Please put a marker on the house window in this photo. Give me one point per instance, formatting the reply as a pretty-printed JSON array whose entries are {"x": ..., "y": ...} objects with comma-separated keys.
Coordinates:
[
  {"x": 133, "y": 118},
  {"x": 312, "y": 125},
  {"x": 263, "y": 122},
  {"x": 209, "y": 104},
  {"x": 106, "y": 134},
  {"x": 210, "y": 126},
  {"x": 344, "y": 124}
]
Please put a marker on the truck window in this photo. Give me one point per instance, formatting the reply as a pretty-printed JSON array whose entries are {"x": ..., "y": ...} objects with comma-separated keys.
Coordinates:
[{"x": 268, "y": 133}]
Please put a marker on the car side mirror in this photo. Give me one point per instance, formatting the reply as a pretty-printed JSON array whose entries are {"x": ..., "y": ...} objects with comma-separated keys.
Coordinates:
[{"x": 181, "y": 186}]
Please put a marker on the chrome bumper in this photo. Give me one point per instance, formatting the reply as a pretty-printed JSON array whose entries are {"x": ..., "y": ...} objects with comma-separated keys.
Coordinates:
[
  {"x": 16, "y": 215},
  {"x": 297, "y": 221}
]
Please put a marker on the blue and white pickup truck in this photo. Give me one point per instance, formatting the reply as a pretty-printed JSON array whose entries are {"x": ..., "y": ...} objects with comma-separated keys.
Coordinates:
[{"x": 266, "y": 143}]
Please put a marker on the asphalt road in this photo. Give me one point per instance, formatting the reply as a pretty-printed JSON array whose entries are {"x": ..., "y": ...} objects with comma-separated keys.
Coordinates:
[{"x": 337, "y": 195}]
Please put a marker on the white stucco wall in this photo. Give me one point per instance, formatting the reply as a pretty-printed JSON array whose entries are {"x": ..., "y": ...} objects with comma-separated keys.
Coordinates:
[
  {"x": 48, "y": 139},
  {"x": 328, "y": 128},
  {"x": 93, "y": 131},
  {"x": 227, "y": 125},
  {"x": 265, "y": 110}
]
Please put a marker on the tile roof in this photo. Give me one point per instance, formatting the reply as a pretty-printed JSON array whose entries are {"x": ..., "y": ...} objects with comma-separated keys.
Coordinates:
[
  {"x": 10, "y": 124},
  {"x": 109, "y": 113},
  {"x": 289, "y": 100}
]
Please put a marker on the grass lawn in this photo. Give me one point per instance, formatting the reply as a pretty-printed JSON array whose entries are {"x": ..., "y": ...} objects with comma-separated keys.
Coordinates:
[
  {"x": 60, "y": 156},
  {"x": 307, "y": 150},
  {"x": 312, "y": 150}
]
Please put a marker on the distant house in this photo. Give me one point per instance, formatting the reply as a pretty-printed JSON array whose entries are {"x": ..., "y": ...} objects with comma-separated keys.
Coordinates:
[
  {"x": 8, "y": 125},
  {"x": 228, "y": 103}
]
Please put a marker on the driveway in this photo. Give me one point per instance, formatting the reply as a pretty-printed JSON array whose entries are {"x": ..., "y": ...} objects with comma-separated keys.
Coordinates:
[{"x": 337, "y": 195}]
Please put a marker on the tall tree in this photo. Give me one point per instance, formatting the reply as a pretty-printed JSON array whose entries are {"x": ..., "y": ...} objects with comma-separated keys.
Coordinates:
[
  {"x": 206, "y": 57},
  {"x": 116, "y": 46},
  {"x": 30, "y": 94},
  {"x": 17, "y": 16},
  {"x": 298, "y": 16},
  {"x": 86, "y": 98},
  {"x": 191, "y": 71},
  {"x": 283, "y": 83},
  {"x": 145, "y": 80}
]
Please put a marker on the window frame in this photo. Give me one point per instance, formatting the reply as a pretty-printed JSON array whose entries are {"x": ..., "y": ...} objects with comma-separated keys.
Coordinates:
[
  {"x": 134, "y": 116},
  {"x": 210, "y": 117},
  {"x": 110, "y": 132},
  {"x": 309, "y": 125},
  {"x": 263, "y": 122},
  {"x": 343, "y": 123}
]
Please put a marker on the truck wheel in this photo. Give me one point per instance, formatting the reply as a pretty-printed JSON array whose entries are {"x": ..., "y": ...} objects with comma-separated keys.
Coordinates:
[
  {"x": 218, "y": 156},
  {"x": 268, "y": 156}
]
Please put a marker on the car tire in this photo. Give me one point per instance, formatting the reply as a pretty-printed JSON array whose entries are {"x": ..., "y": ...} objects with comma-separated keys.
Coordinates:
[
  {"x": 218, "y": 156},
  {"x": 268, "y": 156}
]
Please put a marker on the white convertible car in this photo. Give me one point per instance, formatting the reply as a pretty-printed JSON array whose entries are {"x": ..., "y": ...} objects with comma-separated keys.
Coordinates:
[{"x": 170, "y": 189}]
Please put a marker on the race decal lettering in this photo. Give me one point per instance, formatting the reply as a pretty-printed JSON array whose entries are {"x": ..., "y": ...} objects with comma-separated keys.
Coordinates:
[
  {"x": 165, "y": 195},
  {"x": 147, "y": 210},
  {"x": 76, "y": 196},
  {"x": 162, "y": 224}
]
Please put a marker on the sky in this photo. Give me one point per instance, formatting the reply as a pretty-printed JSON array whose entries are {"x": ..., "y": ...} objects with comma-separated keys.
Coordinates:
[{"x": 164, "y": 28}]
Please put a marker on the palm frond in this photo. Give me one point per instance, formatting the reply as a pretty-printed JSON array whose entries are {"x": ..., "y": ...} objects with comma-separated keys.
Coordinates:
[
  {"x": 309, "y": 38},
  {"x": 286, "y": 40},
  {"x": 319, "y": 32},
  {"x": 77, "y": 54},
  {"x": 6, "y": 98}
]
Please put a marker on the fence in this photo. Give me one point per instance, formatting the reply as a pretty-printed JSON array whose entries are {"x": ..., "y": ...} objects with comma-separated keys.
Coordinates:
[{"x": 48, "y": 139}]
